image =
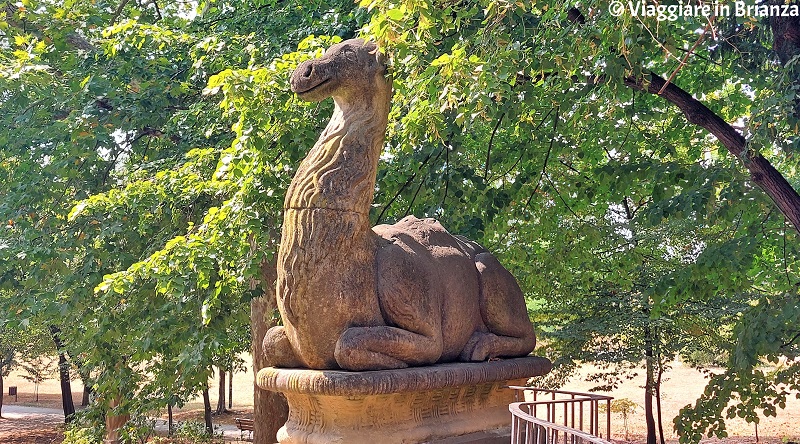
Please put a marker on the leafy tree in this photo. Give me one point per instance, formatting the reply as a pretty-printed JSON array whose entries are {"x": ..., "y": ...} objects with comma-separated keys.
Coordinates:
[
  {"x": 149, "y": 144},
  {"x": 609, "y": 313},
  {"x": 38, "y": 369},
  {"x": 106, "y": 101},
  {"x": 623, "y": 407},
  {"x": 542, "y": 120},
  {"x": 9, "y": 349},
  {"x": 37, "y": 358}
]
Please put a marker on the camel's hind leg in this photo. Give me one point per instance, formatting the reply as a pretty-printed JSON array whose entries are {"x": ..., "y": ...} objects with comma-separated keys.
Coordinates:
[{"x": 510, "y": 331}]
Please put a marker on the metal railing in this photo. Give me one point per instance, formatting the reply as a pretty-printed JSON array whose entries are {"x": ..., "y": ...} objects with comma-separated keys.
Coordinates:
[{"x": 553, "y": 416}]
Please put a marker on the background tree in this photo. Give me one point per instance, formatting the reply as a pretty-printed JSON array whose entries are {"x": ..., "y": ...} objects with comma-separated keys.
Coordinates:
[
  {"x": 37, "y": 358},
  {"x": 532, "y": 111},
  {"x": 9, "y": 348},
  {"x": 106, "y": 102},
  {"x": 623, "y": 407},
  {"x": 609, "y": 314}
]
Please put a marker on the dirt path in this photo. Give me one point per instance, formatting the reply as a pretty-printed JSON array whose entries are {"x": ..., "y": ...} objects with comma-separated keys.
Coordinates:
[{"x": 31, "y": 425}]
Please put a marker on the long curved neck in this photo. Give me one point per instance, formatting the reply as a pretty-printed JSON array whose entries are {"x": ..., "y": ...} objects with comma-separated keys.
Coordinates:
[
  {"x": 326, "y": 217},
  {"x": 339, "y": 171}
]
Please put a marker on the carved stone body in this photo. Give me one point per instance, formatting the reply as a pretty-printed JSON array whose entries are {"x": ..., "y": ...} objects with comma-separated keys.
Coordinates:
[{"x": 393, "y": 296}]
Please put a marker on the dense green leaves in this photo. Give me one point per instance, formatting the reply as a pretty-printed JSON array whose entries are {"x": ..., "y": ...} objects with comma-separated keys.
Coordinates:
[
  {"x": 146, "y": 148},
  {"x": 135, "y": 219}
]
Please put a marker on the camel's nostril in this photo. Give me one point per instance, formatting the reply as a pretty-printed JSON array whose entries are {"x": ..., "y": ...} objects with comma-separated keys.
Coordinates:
[{"x": 309, "y": 69}]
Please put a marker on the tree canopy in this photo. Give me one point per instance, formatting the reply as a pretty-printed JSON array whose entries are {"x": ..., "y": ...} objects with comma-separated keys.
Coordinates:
[{"x": 146, "y": 147}]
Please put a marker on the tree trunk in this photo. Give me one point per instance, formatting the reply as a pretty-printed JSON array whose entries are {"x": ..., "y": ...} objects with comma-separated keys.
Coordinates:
[
  {"x": 270, "y": 410},
  {"x": 785, "y": 36},
  {"x": 648, "y": 388},
  {"x": 114, "y": 423},
  {"x": 1, "y": 394},
  {"x": 87, "y": 393},
  {"x": 786, "y": 42},
  {"x": 86, "y": 380},
  {"x": 66, "y": 389},
  {"x": 63, "y": 374},
  {"x": 221, "y": 398},
  {"x": 658, "y": 403},
  {"x": 170, "y": 423},
  {"x": 761, "y": 170},
  {"x": 230, "y": 389},
  {"x": 207, "y": 412}
]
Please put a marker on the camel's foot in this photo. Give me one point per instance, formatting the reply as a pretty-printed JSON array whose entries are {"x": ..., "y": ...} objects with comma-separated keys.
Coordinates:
[
  {"x": 478, "y": 348},
  {"x": 363, "y": 360},
  {"x": 278, "y": 351}
]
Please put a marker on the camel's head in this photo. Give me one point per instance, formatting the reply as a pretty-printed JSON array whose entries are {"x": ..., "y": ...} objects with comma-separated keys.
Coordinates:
[{"x": 348, "y": 70}]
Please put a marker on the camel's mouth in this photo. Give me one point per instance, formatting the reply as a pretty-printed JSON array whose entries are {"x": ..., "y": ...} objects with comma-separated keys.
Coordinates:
[{"x": 312, "y": 87}]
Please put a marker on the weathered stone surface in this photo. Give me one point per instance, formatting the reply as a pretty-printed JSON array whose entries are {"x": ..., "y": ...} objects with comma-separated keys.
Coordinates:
[
  {"x": 413, "y": 405},
  {"x": 400, "y": 295}
]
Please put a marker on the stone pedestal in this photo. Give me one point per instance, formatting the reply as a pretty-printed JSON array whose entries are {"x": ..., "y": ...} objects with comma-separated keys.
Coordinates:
[{"x": 413, "y": 405}]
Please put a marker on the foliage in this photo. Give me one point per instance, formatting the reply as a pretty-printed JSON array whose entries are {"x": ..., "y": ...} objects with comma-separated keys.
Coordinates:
[
  {"x": 194, "y": 432},
  {"x": 147, "y": 146},
  {"x": 132, "y": 209},
  {"x": 38, "y": 369},
  {"x": 755, "y": 390},
  {"x": 138, "y": 430},
  {"x": 523, "y": 112},
  {"x": 9, "y": 349},
  {"x": 623, "y": 407},
  {"x": 87, "y": 427},
  {"x": 81, "y": 435},
  {"x": 37, "y": 357}
]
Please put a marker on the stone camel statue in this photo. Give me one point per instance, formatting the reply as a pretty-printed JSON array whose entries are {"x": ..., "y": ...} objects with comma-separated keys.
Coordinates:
[{"x": 389, "y": 297}]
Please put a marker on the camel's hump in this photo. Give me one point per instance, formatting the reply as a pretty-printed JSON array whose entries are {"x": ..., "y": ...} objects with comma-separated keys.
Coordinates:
[{"x": 428, "y": 233}]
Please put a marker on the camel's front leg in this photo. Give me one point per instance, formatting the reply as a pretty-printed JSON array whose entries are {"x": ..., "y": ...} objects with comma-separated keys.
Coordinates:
[
  {"x": 412, "y": 313},
  {"x": 384, "y": 347}
]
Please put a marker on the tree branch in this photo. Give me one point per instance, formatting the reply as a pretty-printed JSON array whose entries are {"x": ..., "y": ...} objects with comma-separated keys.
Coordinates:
[
  {"x": 546, "y": 159},
  {"x": 761, "y": 170},
  {"x": 522, "y": 152},
  {"x": 489, "y": 149},
  {"x": 118, "y": 11},
  {"x": 446, "y": 172},
  {"x": 762, "y": 173},
  {"x": 407, "y": 183}
]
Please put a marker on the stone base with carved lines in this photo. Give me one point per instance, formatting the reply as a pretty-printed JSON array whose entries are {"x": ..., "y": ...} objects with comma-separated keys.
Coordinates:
[{"x": 413, "y": 405}]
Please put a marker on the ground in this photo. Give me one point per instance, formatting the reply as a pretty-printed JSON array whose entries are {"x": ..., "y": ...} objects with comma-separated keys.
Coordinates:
[{"x": 681, "y": 386}]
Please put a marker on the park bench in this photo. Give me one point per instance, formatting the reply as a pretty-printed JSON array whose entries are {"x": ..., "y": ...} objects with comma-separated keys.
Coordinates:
[{"x": 245, "y": 425}]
